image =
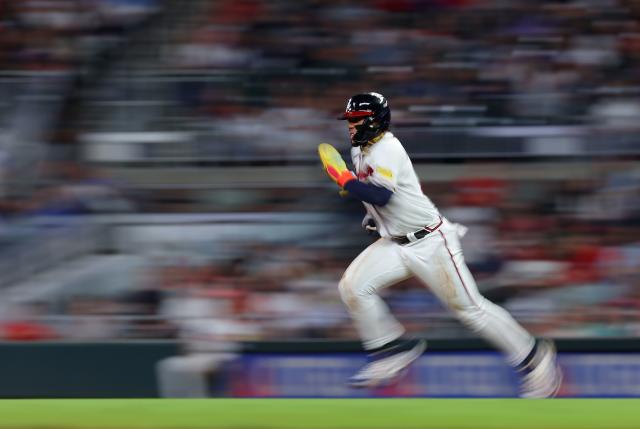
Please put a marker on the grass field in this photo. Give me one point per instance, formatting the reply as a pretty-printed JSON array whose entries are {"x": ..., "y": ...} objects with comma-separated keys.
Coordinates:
[{"x": 320, "y": 413}]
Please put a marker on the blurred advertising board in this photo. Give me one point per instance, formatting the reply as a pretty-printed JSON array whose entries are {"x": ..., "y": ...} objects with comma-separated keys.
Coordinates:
[{"x": 436, "y": 374}]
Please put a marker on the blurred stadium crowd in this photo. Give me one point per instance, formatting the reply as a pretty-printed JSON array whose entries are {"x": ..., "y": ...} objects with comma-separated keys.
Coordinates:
[{"x": 158, "y": 173}]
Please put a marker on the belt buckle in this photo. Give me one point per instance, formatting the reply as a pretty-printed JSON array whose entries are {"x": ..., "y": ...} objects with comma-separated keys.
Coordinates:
[{"x": 412, "y": 237}]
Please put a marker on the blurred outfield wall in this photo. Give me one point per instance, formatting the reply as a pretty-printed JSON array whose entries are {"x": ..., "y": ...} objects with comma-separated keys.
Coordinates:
[{"x": 449, "y": 369}]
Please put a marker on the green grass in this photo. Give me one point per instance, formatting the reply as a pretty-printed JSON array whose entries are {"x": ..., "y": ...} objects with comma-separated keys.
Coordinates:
[{"x": 320, "y": 413}]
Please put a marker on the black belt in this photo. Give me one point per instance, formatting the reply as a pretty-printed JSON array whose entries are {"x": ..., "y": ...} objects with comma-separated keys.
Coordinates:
[{"x": 403, "y": 239}]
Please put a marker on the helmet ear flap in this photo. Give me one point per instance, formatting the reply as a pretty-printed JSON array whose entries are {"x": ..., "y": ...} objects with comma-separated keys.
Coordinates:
[
  {"x": 368, "y": 123},
  {"x": 367, "y": 130}
]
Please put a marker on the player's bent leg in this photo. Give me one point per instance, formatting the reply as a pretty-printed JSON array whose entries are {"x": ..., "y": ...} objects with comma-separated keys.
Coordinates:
[
  {"x": 375, "y": 268},
  {"x": 539, "y": 371},
  {"x": 447, "y": 275},
  {"x": 535, "y": 361}
]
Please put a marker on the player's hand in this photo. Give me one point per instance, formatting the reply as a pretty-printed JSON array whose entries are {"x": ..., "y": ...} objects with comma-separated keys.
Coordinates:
[
  {"x": 334, "y": 165},
  {"x": 340, "y": 177},
  {"x": 369, "y": 225}
]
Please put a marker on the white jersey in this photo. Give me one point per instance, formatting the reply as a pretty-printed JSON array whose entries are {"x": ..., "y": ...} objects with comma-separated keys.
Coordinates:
[{"x": 385, "y": 163}]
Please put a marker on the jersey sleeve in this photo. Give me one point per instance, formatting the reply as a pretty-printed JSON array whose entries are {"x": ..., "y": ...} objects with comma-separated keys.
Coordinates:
[{"x": 386, "y": 168}]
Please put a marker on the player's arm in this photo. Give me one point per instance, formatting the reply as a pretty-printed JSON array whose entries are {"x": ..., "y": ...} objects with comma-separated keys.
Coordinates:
[
  {"x": 368, "y": 192},
  {"x": 382, "y": 182},
  {"x": 337, "y": 169}
]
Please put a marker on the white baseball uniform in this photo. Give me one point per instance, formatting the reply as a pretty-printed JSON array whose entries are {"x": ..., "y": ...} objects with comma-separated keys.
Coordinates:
[{"x": 436, "y": 259}]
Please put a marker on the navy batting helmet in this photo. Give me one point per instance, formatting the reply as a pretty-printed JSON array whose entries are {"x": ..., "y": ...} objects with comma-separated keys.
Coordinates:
[{"x": 374, "y": 108}]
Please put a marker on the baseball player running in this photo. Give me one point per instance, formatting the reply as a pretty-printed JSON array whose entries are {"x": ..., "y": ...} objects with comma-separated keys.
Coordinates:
[{"x": 415, "y": 240}]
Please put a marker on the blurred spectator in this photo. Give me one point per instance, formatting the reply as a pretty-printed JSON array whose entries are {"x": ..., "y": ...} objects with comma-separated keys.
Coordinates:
[
  {"x": 24, "y": 323},
  {"x": 250, "y": 83}
]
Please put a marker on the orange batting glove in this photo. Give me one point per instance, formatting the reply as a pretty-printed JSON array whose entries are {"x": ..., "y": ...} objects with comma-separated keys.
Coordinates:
[{"x": 340, "y": 177}]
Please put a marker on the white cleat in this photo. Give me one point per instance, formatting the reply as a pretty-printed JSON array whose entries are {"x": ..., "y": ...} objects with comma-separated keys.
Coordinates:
[
  {"x": 388, "y": 369},
  {"x": 544, "y": 378}
]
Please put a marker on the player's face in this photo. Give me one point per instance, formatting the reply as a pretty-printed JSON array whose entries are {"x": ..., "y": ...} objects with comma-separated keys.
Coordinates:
[{"x": 353, "y": 123}]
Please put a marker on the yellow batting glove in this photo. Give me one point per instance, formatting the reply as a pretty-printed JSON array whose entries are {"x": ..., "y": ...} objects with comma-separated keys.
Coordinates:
[{"x": 334, "y": 165}]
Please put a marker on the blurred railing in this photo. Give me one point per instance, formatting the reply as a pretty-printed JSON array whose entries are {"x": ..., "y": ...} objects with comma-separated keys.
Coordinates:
[
  {"x": 440, "y": 325},
  {"x": 154, "y": 115},
  {"x": 423, "y": 143}
]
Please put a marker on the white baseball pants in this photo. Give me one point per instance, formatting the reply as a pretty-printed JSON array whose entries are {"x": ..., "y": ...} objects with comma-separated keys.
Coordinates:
[{"x": 438, "y": 262}]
